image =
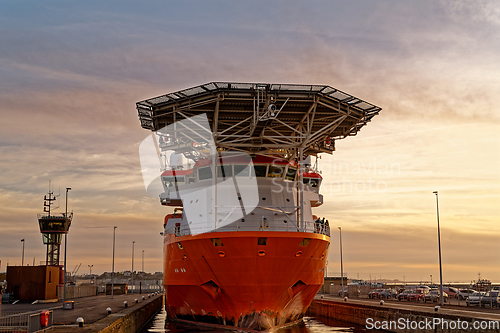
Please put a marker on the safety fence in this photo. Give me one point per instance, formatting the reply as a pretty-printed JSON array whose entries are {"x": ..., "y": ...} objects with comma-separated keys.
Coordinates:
[
  {"x": 77, "y": 291},
  {"x": 28, "y": 322},
  {"x": 145, "y": 286}
]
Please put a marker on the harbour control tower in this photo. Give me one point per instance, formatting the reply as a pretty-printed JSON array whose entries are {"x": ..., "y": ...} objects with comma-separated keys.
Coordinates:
[{"x": 53, "y": 227}]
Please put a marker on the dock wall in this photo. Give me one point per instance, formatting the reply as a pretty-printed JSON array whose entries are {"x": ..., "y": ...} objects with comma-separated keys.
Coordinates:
[
  {"x": 126, "y": 321},
  {"x": 130, "y": 322},
  {"x": 360, "y": 313}
]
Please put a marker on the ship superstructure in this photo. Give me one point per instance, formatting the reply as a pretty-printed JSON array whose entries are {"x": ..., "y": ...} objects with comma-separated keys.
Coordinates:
[{"x": 242, "y": 247}]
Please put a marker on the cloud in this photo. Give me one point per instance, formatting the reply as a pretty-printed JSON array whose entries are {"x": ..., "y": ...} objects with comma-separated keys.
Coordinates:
[{"x": 71, "y": 77}]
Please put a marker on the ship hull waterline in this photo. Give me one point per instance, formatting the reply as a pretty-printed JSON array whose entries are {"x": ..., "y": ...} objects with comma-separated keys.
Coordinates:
[{"x": 251, "y": 280}]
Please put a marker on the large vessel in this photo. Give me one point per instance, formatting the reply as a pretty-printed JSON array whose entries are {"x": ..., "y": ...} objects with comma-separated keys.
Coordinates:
[{"x": 242, "y": 247}]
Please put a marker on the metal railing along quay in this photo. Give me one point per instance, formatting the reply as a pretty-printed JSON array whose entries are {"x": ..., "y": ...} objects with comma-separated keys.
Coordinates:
[{"x": 29, "y": 322}]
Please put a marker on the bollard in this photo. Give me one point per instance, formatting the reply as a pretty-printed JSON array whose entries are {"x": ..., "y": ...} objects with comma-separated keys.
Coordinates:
[
  {"x": 80, "y": 321},
  {"x": 143, "y": 298},
  {"x": 436, "y": 308},
  {"x": 149, "y": 295},
  {"x": 322, "y": 296},
  {"x": 109, "y": 310},
  {"x": 136, "y": 300},
  {"x": 125, "y": 303},
  {"x": 345, "y": 299},
  {"x": 381, "y": 302}
]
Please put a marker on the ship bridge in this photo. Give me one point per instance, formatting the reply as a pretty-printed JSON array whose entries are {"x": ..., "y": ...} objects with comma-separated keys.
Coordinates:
[
  {"x": 262, "y": 118},
  {"x": 219, "y": 121}
]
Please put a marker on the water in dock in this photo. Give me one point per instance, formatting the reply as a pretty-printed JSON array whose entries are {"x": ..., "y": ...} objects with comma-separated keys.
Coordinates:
[{"x": 159, "y": 324}]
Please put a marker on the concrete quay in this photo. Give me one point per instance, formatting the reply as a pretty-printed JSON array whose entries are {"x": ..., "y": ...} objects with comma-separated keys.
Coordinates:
[
  {"x": 93, "y": 310},
  {"x": 403, "y": 315}
]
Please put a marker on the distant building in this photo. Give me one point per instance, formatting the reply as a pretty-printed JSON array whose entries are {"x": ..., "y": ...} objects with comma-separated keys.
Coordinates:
[{"x": 330, "y": 281}]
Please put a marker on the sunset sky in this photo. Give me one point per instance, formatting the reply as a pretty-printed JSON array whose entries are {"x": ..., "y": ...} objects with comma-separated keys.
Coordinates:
[{"x": 71, "y": 73}]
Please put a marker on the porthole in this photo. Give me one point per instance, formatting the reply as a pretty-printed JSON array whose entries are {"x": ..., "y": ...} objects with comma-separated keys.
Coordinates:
[
  {"x": 222, "y": 254},
  {"x": 261, "y": 253},
  {"x": 298, "y": 254}
]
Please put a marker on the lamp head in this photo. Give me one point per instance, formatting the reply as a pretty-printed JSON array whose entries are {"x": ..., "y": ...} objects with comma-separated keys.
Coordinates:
[
  {"x": 435, "y": 192},
  {"x": 68, "y": 189}
]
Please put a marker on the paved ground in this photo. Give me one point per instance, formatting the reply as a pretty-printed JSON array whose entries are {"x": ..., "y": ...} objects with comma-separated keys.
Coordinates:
[
  {"x": 91, "y": 309},
  {"x": 452, "y": 309}
]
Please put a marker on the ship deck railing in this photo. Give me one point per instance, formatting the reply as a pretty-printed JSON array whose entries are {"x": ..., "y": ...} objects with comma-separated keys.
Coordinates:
[{"x": 309, "y": 226}]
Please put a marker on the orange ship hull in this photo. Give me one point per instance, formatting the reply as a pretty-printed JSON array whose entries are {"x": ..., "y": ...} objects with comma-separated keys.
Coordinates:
[{"x": 250, "y": 280}]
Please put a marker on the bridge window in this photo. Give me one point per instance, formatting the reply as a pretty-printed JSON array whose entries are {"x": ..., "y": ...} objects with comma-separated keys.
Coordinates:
[
  {"x": 275, "y": 171},
  {"x": 241, "y": 170},
  {"x": 168, "y": 181},
  {"x": 314, "y": 182},
  {"x": 259, "y": 171},
  {"x": 290, "y": 174},
  {"x": 204, "y": 173},
  {"x": 224, "y": 171},
  {"x": 306, "y": 180}
]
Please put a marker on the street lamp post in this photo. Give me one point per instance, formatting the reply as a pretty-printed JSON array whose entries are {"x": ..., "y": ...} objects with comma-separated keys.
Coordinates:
[
  {"x": 113, "y": 268},
  {"x": 65, "y": 245},
  {"x": 22, "y": 257},
  {"x": 132, "y": 289},
  {"x": 143, "y": 261},
  {"x": 439, "y": 245},
  {"x": 431, "y": 279},
  {"x": 341, "y": 264},
  {"x": 90, "y": 267}
]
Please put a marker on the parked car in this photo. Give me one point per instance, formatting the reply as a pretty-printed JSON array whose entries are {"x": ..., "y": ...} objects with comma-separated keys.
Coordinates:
[
  {"x": 490, "y": 298},
  {"x": 388, "y": 294},
  {"x": 434, "y": 296},
  {"x": 374, "y": 293},
  {"x": 451, "y": 291},
  {"x": 475, "y": 298},
  {"x": 417, "y": 295},
  {"x": 464, "y": 293},
  {"x": 346, "y": 291},
  {"x": 404, "y": 295}
]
